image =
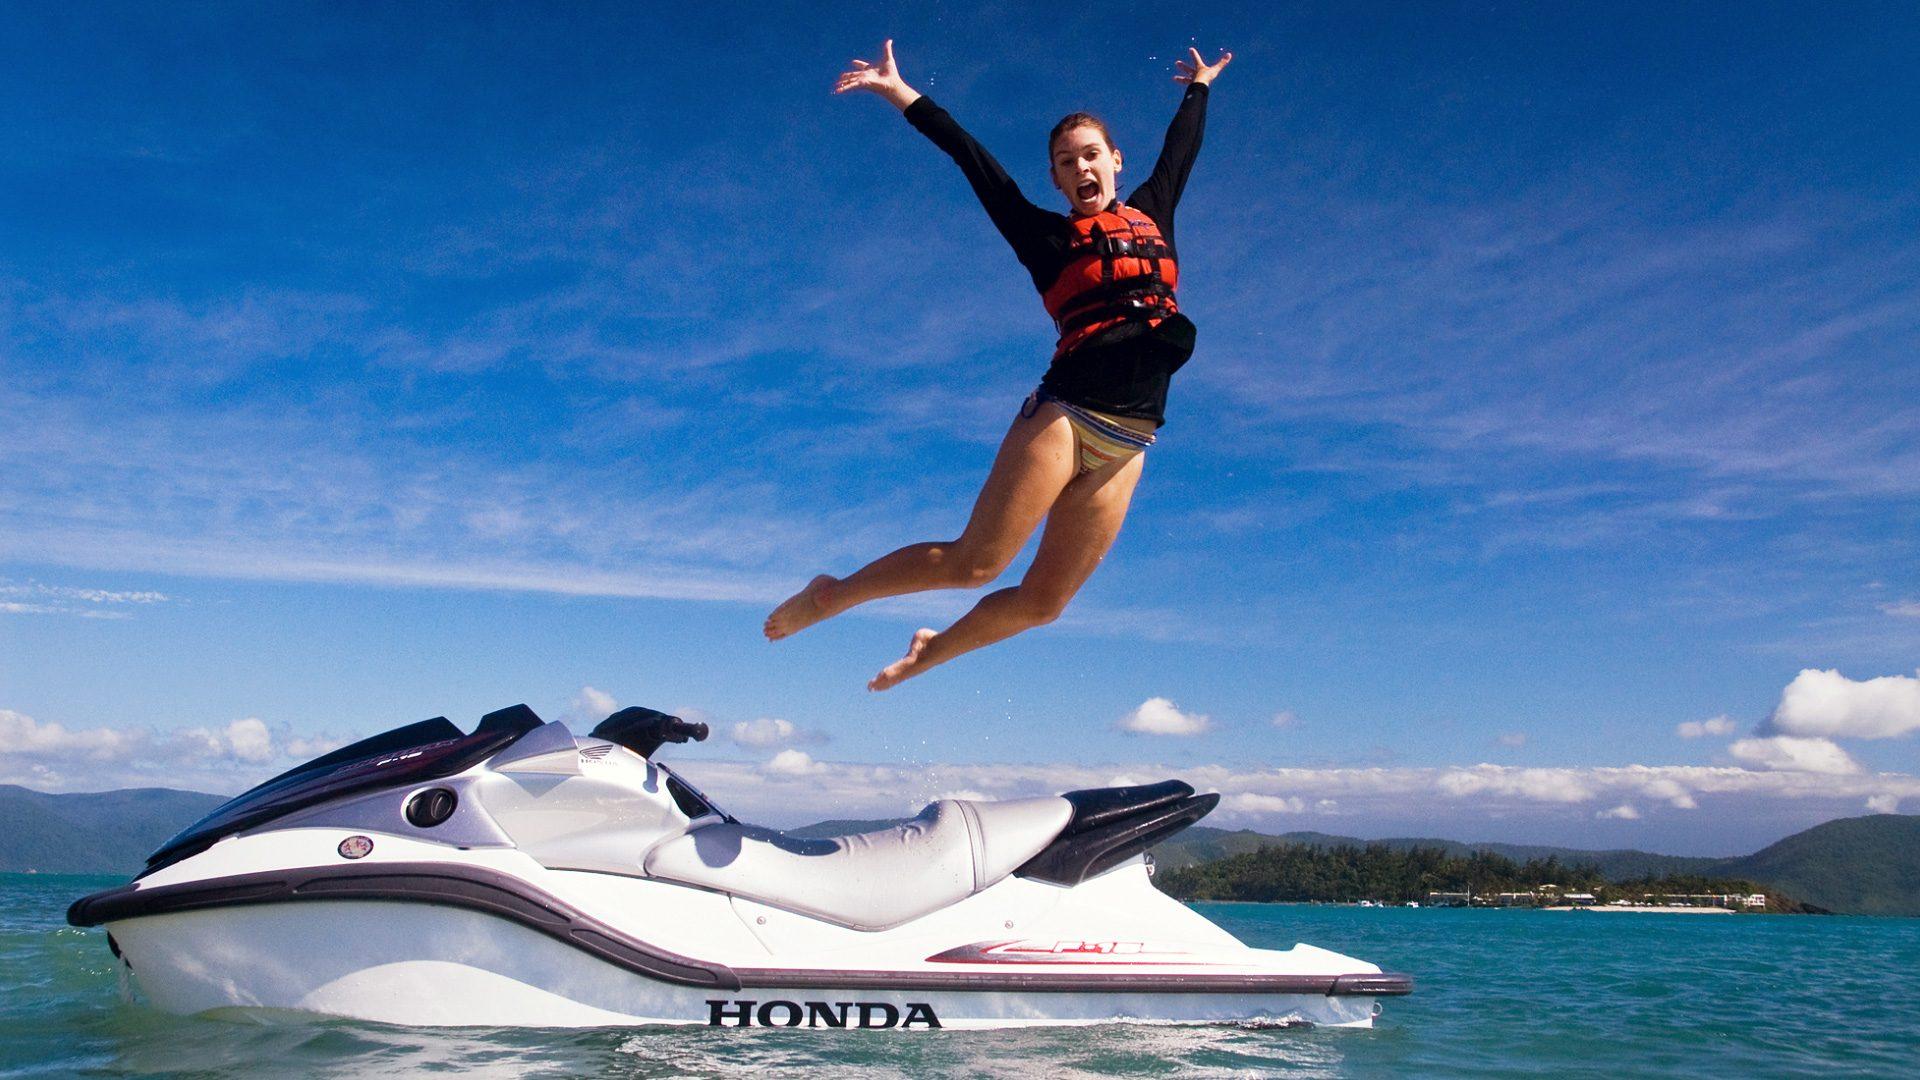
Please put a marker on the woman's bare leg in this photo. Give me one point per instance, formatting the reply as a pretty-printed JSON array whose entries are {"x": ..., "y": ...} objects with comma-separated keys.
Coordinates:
[
  {"x": 1082, "y": 527},
  {"x": 1036, "y": 460}
]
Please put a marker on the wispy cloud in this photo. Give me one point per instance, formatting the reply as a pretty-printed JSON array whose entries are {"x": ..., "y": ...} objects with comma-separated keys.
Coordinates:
[
  {"x": 1253, "y": 805},
  {"x": 765, "y": 731},
  {"x": 1699, "y": 729},
  {"x": 34, "y": 598},
  {"x": 1605, "y": 340}
]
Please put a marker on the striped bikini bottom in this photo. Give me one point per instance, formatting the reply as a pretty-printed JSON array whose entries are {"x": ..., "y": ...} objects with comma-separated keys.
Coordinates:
[{"x": 1099, "y": 439}]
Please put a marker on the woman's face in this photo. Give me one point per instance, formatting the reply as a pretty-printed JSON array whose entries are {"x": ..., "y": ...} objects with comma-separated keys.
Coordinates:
[{"x": 1083, "y": 169}]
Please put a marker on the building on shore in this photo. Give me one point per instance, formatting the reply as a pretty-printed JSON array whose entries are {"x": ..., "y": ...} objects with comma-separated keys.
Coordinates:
[{"x": 1730, "y": 901}]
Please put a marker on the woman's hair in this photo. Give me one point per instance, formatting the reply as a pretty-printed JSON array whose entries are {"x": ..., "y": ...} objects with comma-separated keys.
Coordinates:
[{"x": 1076, "y": 120}]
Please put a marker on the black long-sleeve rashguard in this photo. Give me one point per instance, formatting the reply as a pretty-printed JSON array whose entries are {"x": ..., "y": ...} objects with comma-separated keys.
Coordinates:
[{"x": 1124, "y": 370}]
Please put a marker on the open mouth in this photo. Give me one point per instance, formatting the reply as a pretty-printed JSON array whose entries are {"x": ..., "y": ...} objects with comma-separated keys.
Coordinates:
[{"x": 1087, "y": 191}]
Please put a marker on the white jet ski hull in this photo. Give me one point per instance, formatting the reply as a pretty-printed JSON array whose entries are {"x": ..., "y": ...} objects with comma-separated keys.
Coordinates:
[{"x": 414, "y": 965}]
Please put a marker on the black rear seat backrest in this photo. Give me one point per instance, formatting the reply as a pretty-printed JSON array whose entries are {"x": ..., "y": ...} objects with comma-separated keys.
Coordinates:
[
  {"x": 1111, "y": 825},
  {"x": 1095, "y": 807}
]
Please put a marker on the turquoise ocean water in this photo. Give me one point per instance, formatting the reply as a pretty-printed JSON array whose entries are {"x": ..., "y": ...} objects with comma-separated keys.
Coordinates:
[{"x": 1500, "y": 993}]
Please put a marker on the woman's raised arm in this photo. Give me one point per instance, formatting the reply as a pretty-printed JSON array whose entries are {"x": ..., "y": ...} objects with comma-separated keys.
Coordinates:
[
  {"x": 1019, "y": 221},
  {"x": 1161, "y": 191}
]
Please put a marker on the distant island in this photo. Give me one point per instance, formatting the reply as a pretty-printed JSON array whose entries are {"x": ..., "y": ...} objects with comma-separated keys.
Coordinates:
[
  {"x": 1852, "y": 866},
  {"x": 1857, "y": 866},
  {"x": 1348, "y": 873}
]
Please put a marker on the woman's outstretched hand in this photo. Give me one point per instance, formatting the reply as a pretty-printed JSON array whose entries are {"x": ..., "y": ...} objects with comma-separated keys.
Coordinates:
[
  {"x": 1199, "y": 71},
  {"x": 882, "y": 78}
]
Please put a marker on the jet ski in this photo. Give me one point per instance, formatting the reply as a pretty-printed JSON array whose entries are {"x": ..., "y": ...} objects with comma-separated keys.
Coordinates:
[{"x": 520, "y": 875}]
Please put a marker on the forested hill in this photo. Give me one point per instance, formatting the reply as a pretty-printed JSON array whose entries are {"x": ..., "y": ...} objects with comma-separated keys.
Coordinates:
[
  {"x": 1204, "y": 844},
  {"x": 103, "y": 832},
  {"x": 1861, "y": 866}
]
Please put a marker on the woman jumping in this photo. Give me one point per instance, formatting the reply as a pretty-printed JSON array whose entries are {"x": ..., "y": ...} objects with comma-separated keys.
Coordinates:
[{"x": 1107, "y": 274}]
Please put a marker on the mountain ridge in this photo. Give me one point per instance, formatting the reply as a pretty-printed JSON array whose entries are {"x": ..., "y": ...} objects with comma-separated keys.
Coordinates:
[{"x": 100, "y": 832}]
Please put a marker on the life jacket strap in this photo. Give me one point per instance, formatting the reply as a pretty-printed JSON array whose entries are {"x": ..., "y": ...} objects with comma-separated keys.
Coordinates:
[
  {"x": 1119, "y": 299},
  {"x": 1109, "y": 246}
]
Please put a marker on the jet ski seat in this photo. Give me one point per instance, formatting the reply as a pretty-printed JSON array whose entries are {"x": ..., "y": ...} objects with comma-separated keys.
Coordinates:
[{"x": 867, "y": 881}]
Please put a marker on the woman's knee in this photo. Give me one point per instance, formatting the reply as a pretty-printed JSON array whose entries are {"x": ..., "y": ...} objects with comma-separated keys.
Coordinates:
[
  {"x": 1039, "y": 606},
  {"x": 969, "y": 566}
]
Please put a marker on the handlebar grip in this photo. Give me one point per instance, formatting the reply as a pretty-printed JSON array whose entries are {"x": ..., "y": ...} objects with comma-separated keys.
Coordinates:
[{"x": 687, "y": 730}]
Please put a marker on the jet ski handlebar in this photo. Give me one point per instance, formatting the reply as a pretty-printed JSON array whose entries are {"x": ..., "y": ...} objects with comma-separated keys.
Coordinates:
[{"x": 644, "y": 730}]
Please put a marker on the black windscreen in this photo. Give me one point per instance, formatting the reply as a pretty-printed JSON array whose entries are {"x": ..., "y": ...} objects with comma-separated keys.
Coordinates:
[{"x": 390, "y": 760}]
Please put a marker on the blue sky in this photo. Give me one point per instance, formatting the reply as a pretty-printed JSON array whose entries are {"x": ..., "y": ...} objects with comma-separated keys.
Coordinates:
[{"x": 1556, "y": 389}]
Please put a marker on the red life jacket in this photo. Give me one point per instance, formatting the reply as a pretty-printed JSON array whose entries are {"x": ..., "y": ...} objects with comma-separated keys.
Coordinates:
[{"x": 1119, "y": 269}]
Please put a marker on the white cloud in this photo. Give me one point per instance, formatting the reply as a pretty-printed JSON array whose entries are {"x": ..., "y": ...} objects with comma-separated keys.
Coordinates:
[
  {"x": 248, "y": 740},
  {"x": 595, "y": 703},
  {"x": 1533, "y": 785},
  {"x": 1695, "y": 729},
  {"x": 793, "y": 763},
  {"x": 1254, "y": 804},
  {"x": 206, "y": 758},
  {"x": 1675, "y": 794},
  {"x": 1159, "y": 716},
  {"x": 14, "y": 607},
  {"x": 22, "y": 734},
  {"x": 306, "y": 749},
  {"x": 1884, "y": 804},
  {"x": 1794, "y": 753},
  {"x": 87, "y": 596},
  {"x": 1827, "y": 703},
  {"x": 1623, "y": 812},
  {"x": 1512, "y": 738},
  {"x": 766, "y": 731},
  {"x": 1285, "y": 718},
  {"x": 1906, "y": 609},
  {"x": 37, "y": 599}
]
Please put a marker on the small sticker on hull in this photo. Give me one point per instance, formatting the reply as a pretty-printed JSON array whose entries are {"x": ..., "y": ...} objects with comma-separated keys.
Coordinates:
[{"x": 817, "y": 1014}]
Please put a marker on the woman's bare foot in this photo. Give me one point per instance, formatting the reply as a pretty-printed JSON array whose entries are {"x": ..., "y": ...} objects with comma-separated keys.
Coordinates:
[
  {"x": 904, "y": 668},
  {"x": 801, "y": 610}
]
